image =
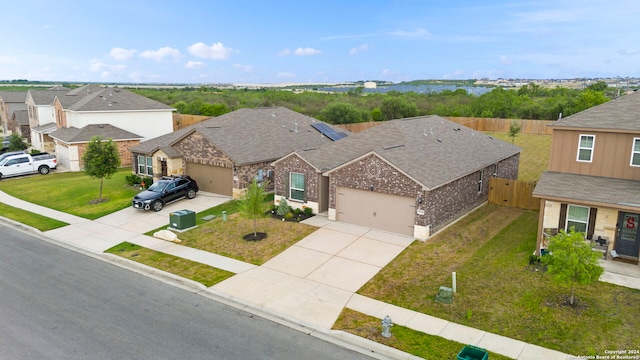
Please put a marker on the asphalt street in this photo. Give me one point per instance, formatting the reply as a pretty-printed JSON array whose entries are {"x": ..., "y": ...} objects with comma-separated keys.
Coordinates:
[{"x": 59, "y": 304}]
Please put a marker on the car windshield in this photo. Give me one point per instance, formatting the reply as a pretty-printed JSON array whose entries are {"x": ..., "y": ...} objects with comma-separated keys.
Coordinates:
[{"x": 158, "y": 186}]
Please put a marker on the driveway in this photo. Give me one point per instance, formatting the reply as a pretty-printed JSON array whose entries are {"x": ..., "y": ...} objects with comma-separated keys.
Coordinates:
[
  {"x": 313, "y": 280},
  {"x": 126, "y": 224}
]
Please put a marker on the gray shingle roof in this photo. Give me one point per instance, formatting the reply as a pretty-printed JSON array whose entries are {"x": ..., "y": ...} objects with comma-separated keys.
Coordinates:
[
  {"x": 588, "y": 189},
  {"x": 22, "y": 117},
  {"x": 431, "y": 149},
  {"x": 45, "y": 97},
  {"x": 13, "y": 96},
  {"x": 107, "y": 131},
  {"x": 251, "y": 135},
  {"x": 622, "y": 113},
  {"x": 46, "y": 128}
]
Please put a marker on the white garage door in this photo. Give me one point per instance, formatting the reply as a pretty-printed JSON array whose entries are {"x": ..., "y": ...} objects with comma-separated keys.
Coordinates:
[
  {"x": 376, "y": 210},
  {"x": 214, "y": 179}
]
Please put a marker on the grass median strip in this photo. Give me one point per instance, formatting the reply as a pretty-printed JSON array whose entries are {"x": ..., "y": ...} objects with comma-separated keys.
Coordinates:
[
  {"x": 414, "y": 342},
  {"x": 39, "y": 222},
  {"x": 204, "y": 274}
]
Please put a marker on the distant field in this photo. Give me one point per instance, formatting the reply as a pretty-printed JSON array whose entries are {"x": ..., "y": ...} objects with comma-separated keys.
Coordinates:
[{"x": 534, "y": 158}]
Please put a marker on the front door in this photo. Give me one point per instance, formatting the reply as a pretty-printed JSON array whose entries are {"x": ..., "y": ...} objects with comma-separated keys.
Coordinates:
[{"x": 628, "y": 240}]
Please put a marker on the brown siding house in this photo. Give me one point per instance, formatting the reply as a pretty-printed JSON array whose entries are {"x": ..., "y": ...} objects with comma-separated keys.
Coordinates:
[{"x": 593, "y": 181}]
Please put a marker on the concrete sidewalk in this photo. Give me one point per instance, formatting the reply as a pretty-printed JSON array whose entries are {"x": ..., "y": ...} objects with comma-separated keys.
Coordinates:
[{"x": 310, "y": 282}]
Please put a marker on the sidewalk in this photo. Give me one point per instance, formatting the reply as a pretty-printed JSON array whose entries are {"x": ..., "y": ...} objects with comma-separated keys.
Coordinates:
[{"x": 311, "y": 282}]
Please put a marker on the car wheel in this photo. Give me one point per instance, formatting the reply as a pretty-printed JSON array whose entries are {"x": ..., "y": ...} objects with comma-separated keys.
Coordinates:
[
  {"x": 157, "y": 205},
  {"x": 191, "y": 194},
  {"x": 44, "y": 170}
]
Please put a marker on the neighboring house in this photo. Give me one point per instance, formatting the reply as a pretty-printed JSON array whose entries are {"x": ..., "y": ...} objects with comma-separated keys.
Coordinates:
[
  {"x": 71, "y": 143},
  {"x": 227, "y": 152},
  {"x": 11, "y": 101},
  {"x": 58, "y": 116},
  {"x": 19, "y": 123},
  {"x": 593, "y": 181},
  {"x": 410, "y": 176}
]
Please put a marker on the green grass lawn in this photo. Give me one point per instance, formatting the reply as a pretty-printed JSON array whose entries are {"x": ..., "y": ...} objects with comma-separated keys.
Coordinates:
[
  {"x": 498, "y": 291},
  {"x": 534, "y": 158},
  {"x": 39, "y": 222},
  {"x": 204, "y": 274},
  {"x": 73, "y": 192}
]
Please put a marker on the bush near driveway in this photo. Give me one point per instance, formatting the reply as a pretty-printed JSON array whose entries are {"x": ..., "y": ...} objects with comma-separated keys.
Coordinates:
[
  {"x": 72, "y": 192},
  {"x": 497, "y": 291}
]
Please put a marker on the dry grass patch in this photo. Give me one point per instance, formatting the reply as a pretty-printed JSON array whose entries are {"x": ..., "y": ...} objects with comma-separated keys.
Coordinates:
[
  {"x": 428, "y": 265},
  {"x": 225, "y": 238}
]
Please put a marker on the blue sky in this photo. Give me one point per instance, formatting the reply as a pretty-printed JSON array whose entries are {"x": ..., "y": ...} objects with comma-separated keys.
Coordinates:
[{"x": 317, "y": 41}]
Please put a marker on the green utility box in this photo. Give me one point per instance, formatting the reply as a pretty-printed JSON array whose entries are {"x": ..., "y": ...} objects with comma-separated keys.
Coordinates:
[
  {"x": 445, "y": 295},
  {"x": 471, "y": 352},
  {"x": 182, "y": 219}
]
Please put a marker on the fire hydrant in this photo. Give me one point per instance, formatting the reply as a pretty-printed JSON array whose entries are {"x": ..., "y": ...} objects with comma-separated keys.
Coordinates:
[{"x": 386, "y": 326}]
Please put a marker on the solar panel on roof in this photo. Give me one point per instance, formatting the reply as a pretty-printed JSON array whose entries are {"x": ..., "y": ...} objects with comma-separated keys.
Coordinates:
[{"x": 325, "y": 130}]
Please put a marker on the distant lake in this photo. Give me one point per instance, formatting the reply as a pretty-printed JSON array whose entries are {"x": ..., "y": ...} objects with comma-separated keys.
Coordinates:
[{"x": 420, "y": 89}]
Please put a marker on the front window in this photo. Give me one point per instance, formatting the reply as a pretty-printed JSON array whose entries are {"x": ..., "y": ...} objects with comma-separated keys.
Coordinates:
[
  {"x": 585, "y": 148},
  {"x": 145, "y": 165},
  {"x": 578, "y": 217},
  {"x": 296, "y": 186},
  {"x": 635, "y": 152}
]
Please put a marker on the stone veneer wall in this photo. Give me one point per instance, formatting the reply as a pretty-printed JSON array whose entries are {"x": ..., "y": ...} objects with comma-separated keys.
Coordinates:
[
  {"x": 196, "y": 148},
  {"x": 294, "y": 164},
  {"x": 372, "y": 172},
  {"x": 245, "y": 175},
  {"x": 450, "y": 201}
]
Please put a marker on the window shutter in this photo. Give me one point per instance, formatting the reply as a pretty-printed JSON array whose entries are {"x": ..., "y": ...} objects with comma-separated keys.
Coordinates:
[
  {"x": 592, "y": 222},
  {"x": 287, "y": 184},
  {"x": 563, "y": 217},
  {"x": 306, "y": 191}
]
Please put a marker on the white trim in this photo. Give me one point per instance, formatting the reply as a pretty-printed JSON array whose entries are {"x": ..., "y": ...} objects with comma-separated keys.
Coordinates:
[
  {"x": 566, "y": 222},
  {"x": 633, "y": 146},
  {"x": 593, "y": 146},
  {"x": 480, "y": 180}
]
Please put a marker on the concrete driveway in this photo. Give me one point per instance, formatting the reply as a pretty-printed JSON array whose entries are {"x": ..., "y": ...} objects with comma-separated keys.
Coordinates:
[
  {"x": 126, "y": 224},
  {"x": 314, "y": 279}
]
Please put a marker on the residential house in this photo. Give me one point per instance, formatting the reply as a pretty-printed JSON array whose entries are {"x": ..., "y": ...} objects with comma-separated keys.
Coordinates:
[
  {"x": 19, "y": 123},
  {"x": 10, "y": 101},
  {"x": 593, "y": 181},
  {"x": 409, "y": 176},
  {"x": 61, "y": 119},
  {"x": 227, "y": 152}
]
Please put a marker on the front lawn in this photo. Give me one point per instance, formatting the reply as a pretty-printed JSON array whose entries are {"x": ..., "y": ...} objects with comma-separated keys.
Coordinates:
[
  {"x": 73, "y": 192},
  {"x": 498, "y": 291},
  {"x": 39, "y": 222}
]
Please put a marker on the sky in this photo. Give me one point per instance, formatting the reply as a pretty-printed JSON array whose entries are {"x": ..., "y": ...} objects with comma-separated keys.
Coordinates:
[{"x": 328, "y": 41}]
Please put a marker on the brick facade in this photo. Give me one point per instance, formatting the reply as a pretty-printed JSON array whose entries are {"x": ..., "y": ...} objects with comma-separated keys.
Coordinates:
[{"x": 294, "y": 164}]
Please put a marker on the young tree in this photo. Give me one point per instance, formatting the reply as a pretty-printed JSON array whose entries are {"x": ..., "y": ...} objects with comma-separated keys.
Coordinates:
[
  {"x": 101, "y": 160},
  {"x": 252, "y": 205},
  {"x": 514, "y": 130},
  {"x": 571, "y": 260},
  {"x": 16, "y": 143}
]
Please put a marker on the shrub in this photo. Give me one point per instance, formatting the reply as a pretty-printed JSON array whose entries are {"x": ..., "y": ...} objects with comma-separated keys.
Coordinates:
[
  {"x": 297, "y": 212},
  {"x": 288, "y": 216},
  {"x": 308, "y": 211},
  {"x": 132, "y": 179},
  {"x": 283, "y": 207}
]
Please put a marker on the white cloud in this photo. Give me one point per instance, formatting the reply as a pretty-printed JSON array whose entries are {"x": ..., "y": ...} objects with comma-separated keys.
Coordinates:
[
  {"x": 122, "y": 54},
  {"x": 161, "y": 54},
  {"x": 9, "y": 60},
  {"x": 389, "y": 72},
  {"x": 359, "y": 49},
  {"x": 306, "y": 51},
  {"x": 216, "y": 51},
  {"x": 245, "y": 68},
  {"x": 417, "y": 33},
  {"x": 194, "y": 65},
  {"x": 284, "y": 52},
  {"x": 286, "y": 75},
  {"x": 106, "y": 70},
  {"x": 505, "y": 60}
]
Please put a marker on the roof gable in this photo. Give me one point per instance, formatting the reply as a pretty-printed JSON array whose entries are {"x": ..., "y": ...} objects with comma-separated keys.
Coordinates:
[
  {"x": 622, "y": 113},
  {"x": 428, "y": 149},
  {"x": 107, "y": 131}
]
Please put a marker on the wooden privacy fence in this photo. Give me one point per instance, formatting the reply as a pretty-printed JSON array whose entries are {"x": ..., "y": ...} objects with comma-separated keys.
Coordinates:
[
  {"x": 181, "y": 121},
  {"x": 480, "y": 124},
  {"x": 513, "y": 193}
]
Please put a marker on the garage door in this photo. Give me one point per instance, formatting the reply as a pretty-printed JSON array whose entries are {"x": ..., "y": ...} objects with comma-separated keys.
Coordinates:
[
  {"x": 376, "y": 210},
  {"x": 213, "y": 179}
]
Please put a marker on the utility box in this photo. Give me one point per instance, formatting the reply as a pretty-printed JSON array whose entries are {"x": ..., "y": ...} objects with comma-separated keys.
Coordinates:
[
  {"x": 471, "y": 352},
  {"x": 445, "y": 295},
  {"x": 182, "y": 219}
]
